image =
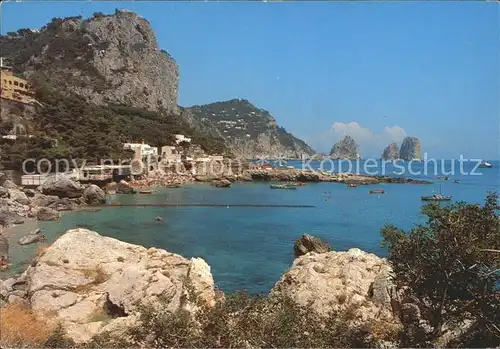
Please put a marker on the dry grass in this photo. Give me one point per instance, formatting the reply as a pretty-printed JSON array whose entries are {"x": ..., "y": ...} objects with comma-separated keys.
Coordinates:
[
  {"x": 99, "y": 276},
  {"x": 19, "y": 327}
]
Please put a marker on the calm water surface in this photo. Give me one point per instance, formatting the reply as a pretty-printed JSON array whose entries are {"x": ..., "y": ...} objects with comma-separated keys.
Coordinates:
[{"x": 249, "y": 248}]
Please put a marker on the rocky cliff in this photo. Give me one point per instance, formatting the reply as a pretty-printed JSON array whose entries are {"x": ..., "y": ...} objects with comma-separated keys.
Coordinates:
[
  {"x": 391, "y": 152},
  {"x": 249, "y": 132},
  {"x": 106, "y": 59},
  {"x": 410, "y": 149},
  {"x": 345, "y": 149}
]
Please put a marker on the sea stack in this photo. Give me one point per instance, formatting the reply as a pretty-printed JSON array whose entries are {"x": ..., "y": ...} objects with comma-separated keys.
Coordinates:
[
  {"x": 345, "y": 149},
  {"x": 410, "y": 149},
  {"x": 391, "y": 152}
]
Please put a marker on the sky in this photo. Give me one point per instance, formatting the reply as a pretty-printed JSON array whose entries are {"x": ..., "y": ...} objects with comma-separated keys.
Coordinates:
[{"x": 374, "y": 70}]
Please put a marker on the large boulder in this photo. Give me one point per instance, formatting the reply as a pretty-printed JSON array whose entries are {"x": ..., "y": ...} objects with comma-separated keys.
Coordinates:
[
  {"x": 93, "y": 195},
  {"x": 4, "y": 192},
  {"x": 18, "y": 196},
  {"x": 47, "y": 214},
  {"x": 308, "y": 243},
  {"x": 64, "y": 204},
  {"x": 92, "y": 284},
  {"x": 43, "y": 200},
  {"x": 124, "y": 187},
  {"x": 9, "y": 184},
  {"x": 8, "y": 217},
  {"x": 62, "y": 187},
  {"x": 337, "y": 281}
]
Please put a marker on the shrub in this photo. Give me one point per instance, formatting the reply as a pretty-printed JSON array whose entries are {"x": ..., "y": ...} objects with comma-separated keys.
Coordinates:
[{"x": 449, "y": 269}]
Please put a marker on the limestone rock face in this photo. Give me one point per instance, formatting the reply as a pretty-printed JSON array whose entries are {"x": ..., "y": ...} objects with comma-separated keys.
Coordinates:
[
  {"x": 94, "y": 195},
  {"x": 43, "y": 200},
  {"x": 92, "y": 284},
  {"x": 308, "y": 243},
  {"x": 62, "y": 187},
  {"x": 345, "y": 149},
  {"x": 410, "y": 149},
  {"x": 335, "y": 281},
  {"x": 391, "y": 152}
]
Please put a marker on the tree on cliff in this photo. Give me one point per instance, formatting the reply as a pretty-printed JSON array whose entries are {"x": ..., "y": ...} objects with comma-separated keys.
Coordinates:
[{"x": 450, "y": 269}]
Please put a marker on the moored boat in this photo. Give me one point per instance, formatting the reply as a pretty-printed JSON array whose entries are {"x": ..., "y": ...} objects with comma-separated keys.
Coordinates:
[
  {"x": 145, "y": 191},
  {"x": 436, "y": 197},
  {"x": 485, "y": 164},
  {"x": 377, "y": 191},
  {"x": 352, "y": 185},
  {"x": 283, "y": 186}
]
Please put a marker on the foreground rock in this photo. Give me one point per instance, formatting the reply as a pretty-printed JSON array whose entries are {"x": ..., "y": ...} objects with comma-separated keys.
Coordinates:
[
  {"x": 336, "y": 281},
  {"x": 18, "y": 196},
  {"x": 93, "y": 195},
  {"x": 93, "y": 284},
  {"x": 308, "y": 243},
  {"x": 124, "y": 187},
  {"x": 345, "y": 149},
  {"x": 410, "y": 149},
  {"x": 62, "y": 187}
]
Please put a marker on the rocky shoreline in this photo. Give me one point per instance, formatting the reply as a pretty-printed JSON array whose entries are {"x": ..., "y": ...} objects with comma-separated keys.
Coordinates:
[{"x": 91, "y": 284}]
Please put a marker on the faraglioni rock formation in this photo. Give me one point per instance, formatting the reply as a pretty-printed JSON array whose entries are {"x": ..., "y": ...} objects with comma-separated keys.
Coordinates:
[
  {"x": 391, "y": 152},
  {"x": 410, "y": 149},
  {"x": 345, "y": 149}
]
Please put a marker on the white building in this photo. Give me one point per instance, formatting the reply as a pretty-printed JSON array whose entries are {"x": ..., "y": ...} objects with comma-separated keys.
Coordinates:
[
  {"x": 141, "y": 149},
  {"x": 181, "y": 138},
  {"x": 170, "y": 154}
]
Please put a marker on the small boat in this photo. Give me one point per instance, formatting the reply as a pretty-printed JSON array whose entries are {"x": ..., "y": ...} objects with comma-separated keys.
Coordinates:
[
  {"x": 352, "y": 185},
  {"x": 145, "y": 192},
  {"x": 283, "y": 186},
  {"x": 456, "y": 181},
  {"x": 485, "y": 164},
  {"x": 436, "y": 197},
  {"x": 377, "y": 191},
  {"x": 444, "y": 178},
  {"x": 299, "y": 184}
]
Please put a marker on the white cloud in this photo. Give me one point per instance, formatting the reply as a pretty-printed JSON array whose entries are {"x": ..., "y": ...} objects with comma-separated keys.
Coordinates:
[{"x": 370, "y": 143}]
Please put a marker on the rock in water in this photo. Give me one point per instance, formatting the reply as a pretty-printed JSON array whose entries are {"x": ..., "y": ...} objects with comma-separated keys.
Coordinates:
[
  {"x": 94, "y": 195},
  {"x": 83, "y": 274},
  {"x": 391, "y": 152},
  {"x": 308, "y": 243},
  {"x": 124, "y": 187},
  {"x": 44, "y": 200},
  {"x": 223, "y": 183},
  {"x": 47, "y": 214},
  {"x": 62, "y": 187},
  {"x": 336, "y": 281},
  {"x": 30, "y": 238},
  {"x": 410, "y": 149},
  {"x": 345, "y": 149}
]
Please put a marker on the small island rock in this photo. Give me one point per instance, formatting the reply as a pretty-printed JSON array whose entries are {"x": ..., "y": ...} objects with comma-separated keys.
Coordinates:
[{"x": 308, "y": 243}]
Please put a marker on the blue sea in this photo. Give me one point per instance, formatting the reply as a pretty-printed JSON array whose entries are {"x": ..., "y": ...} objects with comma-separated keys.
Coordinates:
[{"x": 249, "y": 248}]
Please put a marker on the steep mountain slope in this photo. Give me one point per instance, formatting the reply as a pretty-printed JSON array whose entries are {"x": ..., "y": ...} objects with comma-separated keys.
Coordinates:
[
  {"x": 249, "y": 132},
  {"x": 345, "y": 149},
  {"x": 105, "y": 59}
]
